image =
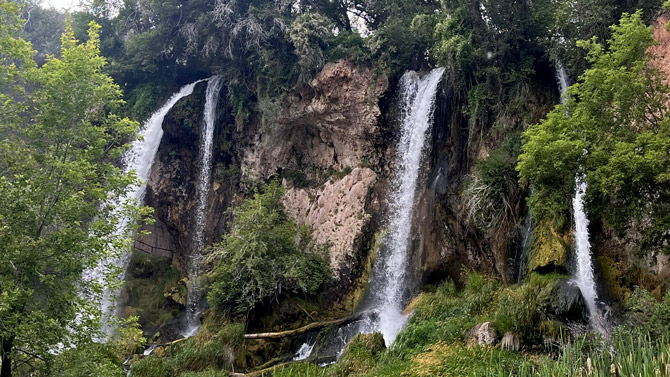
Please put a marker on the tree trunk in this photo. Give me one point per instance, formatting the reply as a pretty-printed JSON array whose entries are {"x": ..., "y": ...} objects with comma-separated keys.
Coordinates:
[
  {"x": 311, "y": 327},
  {"x": 6, "y": 351}
]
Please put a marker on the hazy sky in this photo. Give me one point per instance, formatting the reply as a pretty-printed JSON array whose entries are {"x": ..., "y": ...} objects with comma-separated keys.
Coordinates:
[{"x": 61, "y": 4}]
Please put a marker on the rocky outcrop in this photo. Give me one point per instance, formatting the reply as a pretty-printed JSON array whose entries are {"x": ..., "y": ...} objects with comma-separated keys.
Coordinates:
[
  {"x": 337, "y": 214},
  {"x": 484, "y": 334},
  {"x": 332, "y": 124},
  {"x": 567, "y": 303}
]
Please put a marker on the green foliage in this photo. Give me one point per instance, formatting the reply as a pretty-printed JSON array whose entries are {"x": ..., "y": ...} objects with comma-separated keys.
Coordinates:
[
  {"x": 143, "y": 99},
  {"x": 101, "y": 359},
  {"x": 624, "y": 354},
  {"x": 614, "y": 130},
  {"x": 359, "y": 356},
  {"x": 150, "y": 366},
  {"x": 648, "y": 315},
  {"x": 309, "y": 34},
  {"x": 517, "y": 311},
  {"x": 265, "y": 255},
  {"x": 492, "y": 190},
  {"x": 298, "y": 370},
  {"x": 297, "y": 178},
  {"x": 43, "y": 29},
  {"x": 211, "y": 353},
  {"x": 58, "y": 144},
  {"x": 89, "y": 360},
  {"x": 492, "y": 49},
  {"x": 152, "y": 290}
]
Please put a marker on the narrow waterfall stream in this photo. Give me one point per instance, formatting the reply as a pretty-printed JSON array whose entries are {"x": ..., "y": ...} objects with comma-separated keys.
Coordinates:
[
  {"x": 584, "y": 277},
  {"x": 139, "y": 158},
  {"x": 584, "y": 271},
  {"x": 194, "y": 305},
  {"x": 389, "y": 275}
]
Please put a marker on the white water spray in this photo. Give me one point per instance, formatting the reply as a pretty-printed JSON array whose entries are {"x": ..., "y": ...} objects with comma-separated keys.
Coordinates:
[
  {"x": 584, "y": 272},
  {"x": 305, "y": 350},
  {"x": 390, "y": 270},
  {"x": 139, "y": 158},
  {"x": 194, "y": 297}
]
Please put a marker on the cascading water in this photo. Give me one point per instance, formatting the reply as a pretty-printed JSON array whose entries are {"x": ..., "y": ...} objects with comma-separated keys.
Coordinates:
[
  {"x": 584, "y": 277},
  {"x": 194, "y": 297},
  {"x": 526, "y": 244},
  {"x": 305, "y": 349},
  {"x": 139, "y": 158},
  {"x": 388, "y": 284},
  {"x": 584, "y": 272}
]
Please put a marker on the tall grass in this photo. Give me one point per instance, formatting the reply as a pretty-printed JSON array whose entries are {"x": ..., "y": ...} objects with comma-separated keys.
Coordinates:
[{"x": 625, "y": 354}]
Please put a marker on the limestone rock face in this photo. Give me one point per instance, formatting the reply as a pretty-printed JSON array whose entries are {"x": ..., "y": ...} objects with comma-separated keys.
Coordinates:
[
  {"x": 332, "y": 125},
  {"x": 336, "y": 212},
  {"x": 483, "y": 334}
]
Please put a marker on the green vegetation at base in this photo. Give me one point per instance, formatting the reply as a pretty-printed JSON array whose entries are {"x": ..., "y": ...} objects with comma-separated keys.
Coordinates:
[
  {"x": 210, "y": 353},
  {"x": 434, "y": 341}
]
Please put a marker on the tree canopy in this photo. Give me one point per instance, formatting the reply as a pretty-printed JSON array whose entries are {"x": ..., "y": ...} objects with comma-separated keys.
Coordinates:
[
  {"x": 613, "y": 130},
  {"x": 59, "y": 142}
]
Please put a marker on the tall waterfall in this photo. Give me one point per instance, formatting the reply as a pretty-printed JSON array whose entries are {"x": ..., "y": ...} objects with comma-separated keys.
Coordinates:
[
  {"x": 584, "y": 276},
  {"x": 584, "y": 271},
  {"x": 139, "y": 158},
  {"x": 389, "y": 278},
  {"x": 194, "y": 297}
]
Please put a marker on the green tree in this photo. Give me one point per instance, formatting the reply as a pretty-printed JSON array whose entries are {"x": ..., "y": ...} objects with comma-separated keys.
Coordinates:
[
  {"x": 59, "y": 141},
  {"x": 265, "y": 255},
  {"x": 615, "y": 130}
]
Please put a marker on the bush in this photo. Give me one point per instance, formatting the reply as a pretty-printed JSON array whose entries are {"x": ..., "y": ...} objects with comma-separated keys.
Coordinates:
[
  {"x": 265, "y": 255},
  {"x": 492, "y": 190},
  {"x": 516, "y": 310},
  {"x": 648, "y": 315},
  {"x": 150, "y": 366},
  {"x": 360, "y": 355}
]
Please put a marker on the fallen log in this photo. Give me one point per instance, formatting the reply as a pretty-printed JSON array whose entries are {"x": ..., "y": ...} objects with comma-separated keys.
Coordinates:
[{"x": 307, "y": 328}]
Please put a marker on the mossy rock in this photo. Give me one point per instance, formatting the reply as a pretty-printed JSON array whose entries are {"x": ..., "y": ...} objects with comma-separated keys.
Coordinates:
[
  {"x": 145, "y": 289},
  {"x": 550, "y": 249},
  {"x": 359, "y": 356},
  {"x": 613, "y": 278}
]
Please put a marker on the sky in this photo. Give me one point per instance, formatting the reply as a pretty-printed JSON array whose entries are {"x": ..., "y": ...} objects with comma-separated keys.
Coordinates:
[{"x": 61, "y": 4}]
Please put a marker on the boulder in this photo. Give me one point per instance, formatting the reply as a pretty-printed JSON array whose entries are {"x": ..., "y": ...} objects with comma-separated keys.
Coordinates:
[
  {"x": 567, "y": 302},
  {"x": 483, "y": 334}
]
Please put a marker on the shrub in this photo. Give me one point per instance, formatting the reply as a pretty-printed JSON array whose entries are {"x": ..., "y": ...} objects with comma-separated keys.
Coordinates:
[
  {"x": 266, "y": 254},
  {"x": 150, "y": 366}
]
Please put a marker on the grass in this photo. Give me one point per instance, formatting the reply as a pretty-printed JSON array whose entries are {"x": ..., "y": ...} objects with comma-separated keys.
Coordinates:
[
  {"x": 433, "y": 342},
  {"x": 625, "y": 354}
]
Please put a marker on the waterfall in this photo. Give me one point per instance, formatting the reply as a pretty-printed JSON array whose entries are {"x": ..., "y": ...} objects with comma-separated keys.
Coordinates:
[
  {"x": 584, "y": 277},
  {"x": 584, "y": 272},
  {"x": 526, "y": 245},
  {"x": 563, "y": 81},
  {"x": 139, "y": 159},
  {"x": 194, "y": 298},
  {"x": 389, "y": 278}
]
